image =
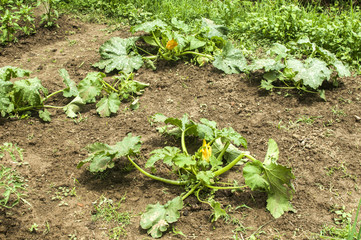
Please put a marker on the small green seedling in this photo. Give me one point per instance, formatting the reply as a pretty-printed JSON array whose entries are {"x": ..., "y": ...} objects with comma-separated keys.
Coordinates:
[{"x": 34, "y": 228}]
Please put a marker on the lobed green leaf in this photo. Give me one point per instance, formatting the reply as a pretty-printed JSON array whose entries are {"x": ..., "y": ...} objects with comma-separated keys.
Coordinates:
[
  {"x": 167, "y": 154},
  {"x": 231, "y": 60},
  {"x": 118, "y": 54},
  {"x": 108, "y": 105},
  {"x": 157, "y": 217}
]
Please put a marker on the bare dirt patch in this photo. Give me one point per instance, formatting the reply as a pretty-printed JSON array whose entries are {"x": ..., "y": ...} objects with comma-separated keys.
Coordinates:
[{"x": 320, "y": 140}]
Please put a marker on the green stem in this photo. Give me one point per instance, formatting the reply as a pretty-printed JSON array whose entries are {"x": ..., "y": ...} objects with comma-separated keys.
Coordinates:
[
  {"x": 157, "y": 42},
  {"x": 35, "y": 107},
  {"x": 152, "y": 57},
  {"x": 184, "y": 148},
  {"x": 229, "y": 166},
  {"x": 196, "y": 53},
  {"x": 218, "y": 187},
  {"x": 250, "y": 157},
  {"x": 164, "y": 56},
  {"x": 155, "y": 177},
  {"x": 110, "y": 86},
  {"x": 54, "y": 93},
  {"x": 49, "y": 106},
  {"x": 191, "y": 191},
  {"x": 144, "y": 50},
  {"x": 219, "y": 158}
]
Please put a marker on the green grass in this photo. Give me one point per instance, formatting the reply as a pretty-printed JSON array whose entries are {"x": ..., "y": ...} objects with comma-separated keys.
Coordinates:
[{"x": 108, "y": 211}]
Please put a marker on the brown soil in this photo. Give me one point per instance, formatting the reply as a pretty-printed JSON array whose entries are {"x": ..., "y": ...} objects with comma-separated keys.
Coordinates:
[{"x": 325, "y": 155}]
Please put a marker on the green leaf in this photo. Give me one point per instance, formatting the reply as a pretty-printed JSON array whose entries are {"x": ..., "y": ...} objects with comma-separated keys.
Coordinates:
[
  {"x": 267, "y": 64},
  {"x": 205, "y": 176},
  {"x": 313, "y": 72},
  {"x": 158, "y": 117},
  {"x": 272, "y": 152},
  {"x": 231, "y": 60},
  {"x": 279, "y": 50},
  {"x": 102, "y": 156},
  {"x": 341, "y": 69},
  {"x": 195, "y": 43},
  {"x": 100, "y": 162},
  {"x": 167, "y": 154},
  {"x": 157, "y": 217},
  {"x": 150, "y": 40},
  {"x": 118, "y": 54},
  {"x": 183, "y": 123},
  {"x": 253, "y": 175},
  {"x": 8, "y": 72},
  {"x": 97, "y": 150},
  {"x": 271, "y": 76},
  {"x": 108, "y": 105},
  {"x": 149, "y": 26},
  {"x": 74, "y": 107},
  {"x": 91, "y": 86},
  {"x": 71, "y": 90},
  {"x": 218, "y": 211},
  {"x": 6, "y": 105},
  {"x": 281, "y": 189},
  {"x": 267, "y": 85},
  {"x": 274, "y": 179},
  {"x": 131, "y": 87},
  {"x": 181, "y": 25},
  {"x": 97, "y": 147},
  {"x": 130, "y": 145},
  {"x": 182, "y": 160},
  {"x": 28, "y": 92},
  {"x": 214, "y": 30},
  {"x": 233, "y": 136},
  {"x": 205, "y": 132},
  {"x": 45, "y": 115}
]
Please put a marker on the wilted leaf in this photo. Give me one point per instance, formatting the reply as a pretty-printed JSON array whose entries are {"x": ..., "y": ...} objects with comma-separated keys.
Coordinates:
[
  {"x": 108, "y": 105},
  {"x": 74, "y": 107},
  {"x": 71, "y": 90}
]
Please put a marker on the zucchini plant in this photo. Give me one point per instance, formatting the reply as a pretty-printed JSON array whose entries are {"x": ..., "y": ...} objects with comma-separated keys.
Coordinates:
[
  {"x": 171, "y": 42},
  {"x": 199, "y": 172},
  {"x": 306, "y": 75},
  {"x": 24, "y": 95}
]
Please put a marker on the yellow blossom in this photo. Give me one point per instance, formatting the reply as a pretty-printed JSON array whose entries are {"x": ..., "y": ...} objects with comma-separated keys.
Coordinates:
[
  {"x": 171, "y": 44},
  {"x": 206, "y": 151}
]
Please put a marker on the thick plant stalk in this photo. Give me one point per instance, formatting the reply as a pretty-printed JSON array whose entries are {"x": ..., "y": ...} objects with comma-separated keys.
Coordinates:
[
  {"x": 155, "y": 177},
  {"x": 229, "y": 166}
]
